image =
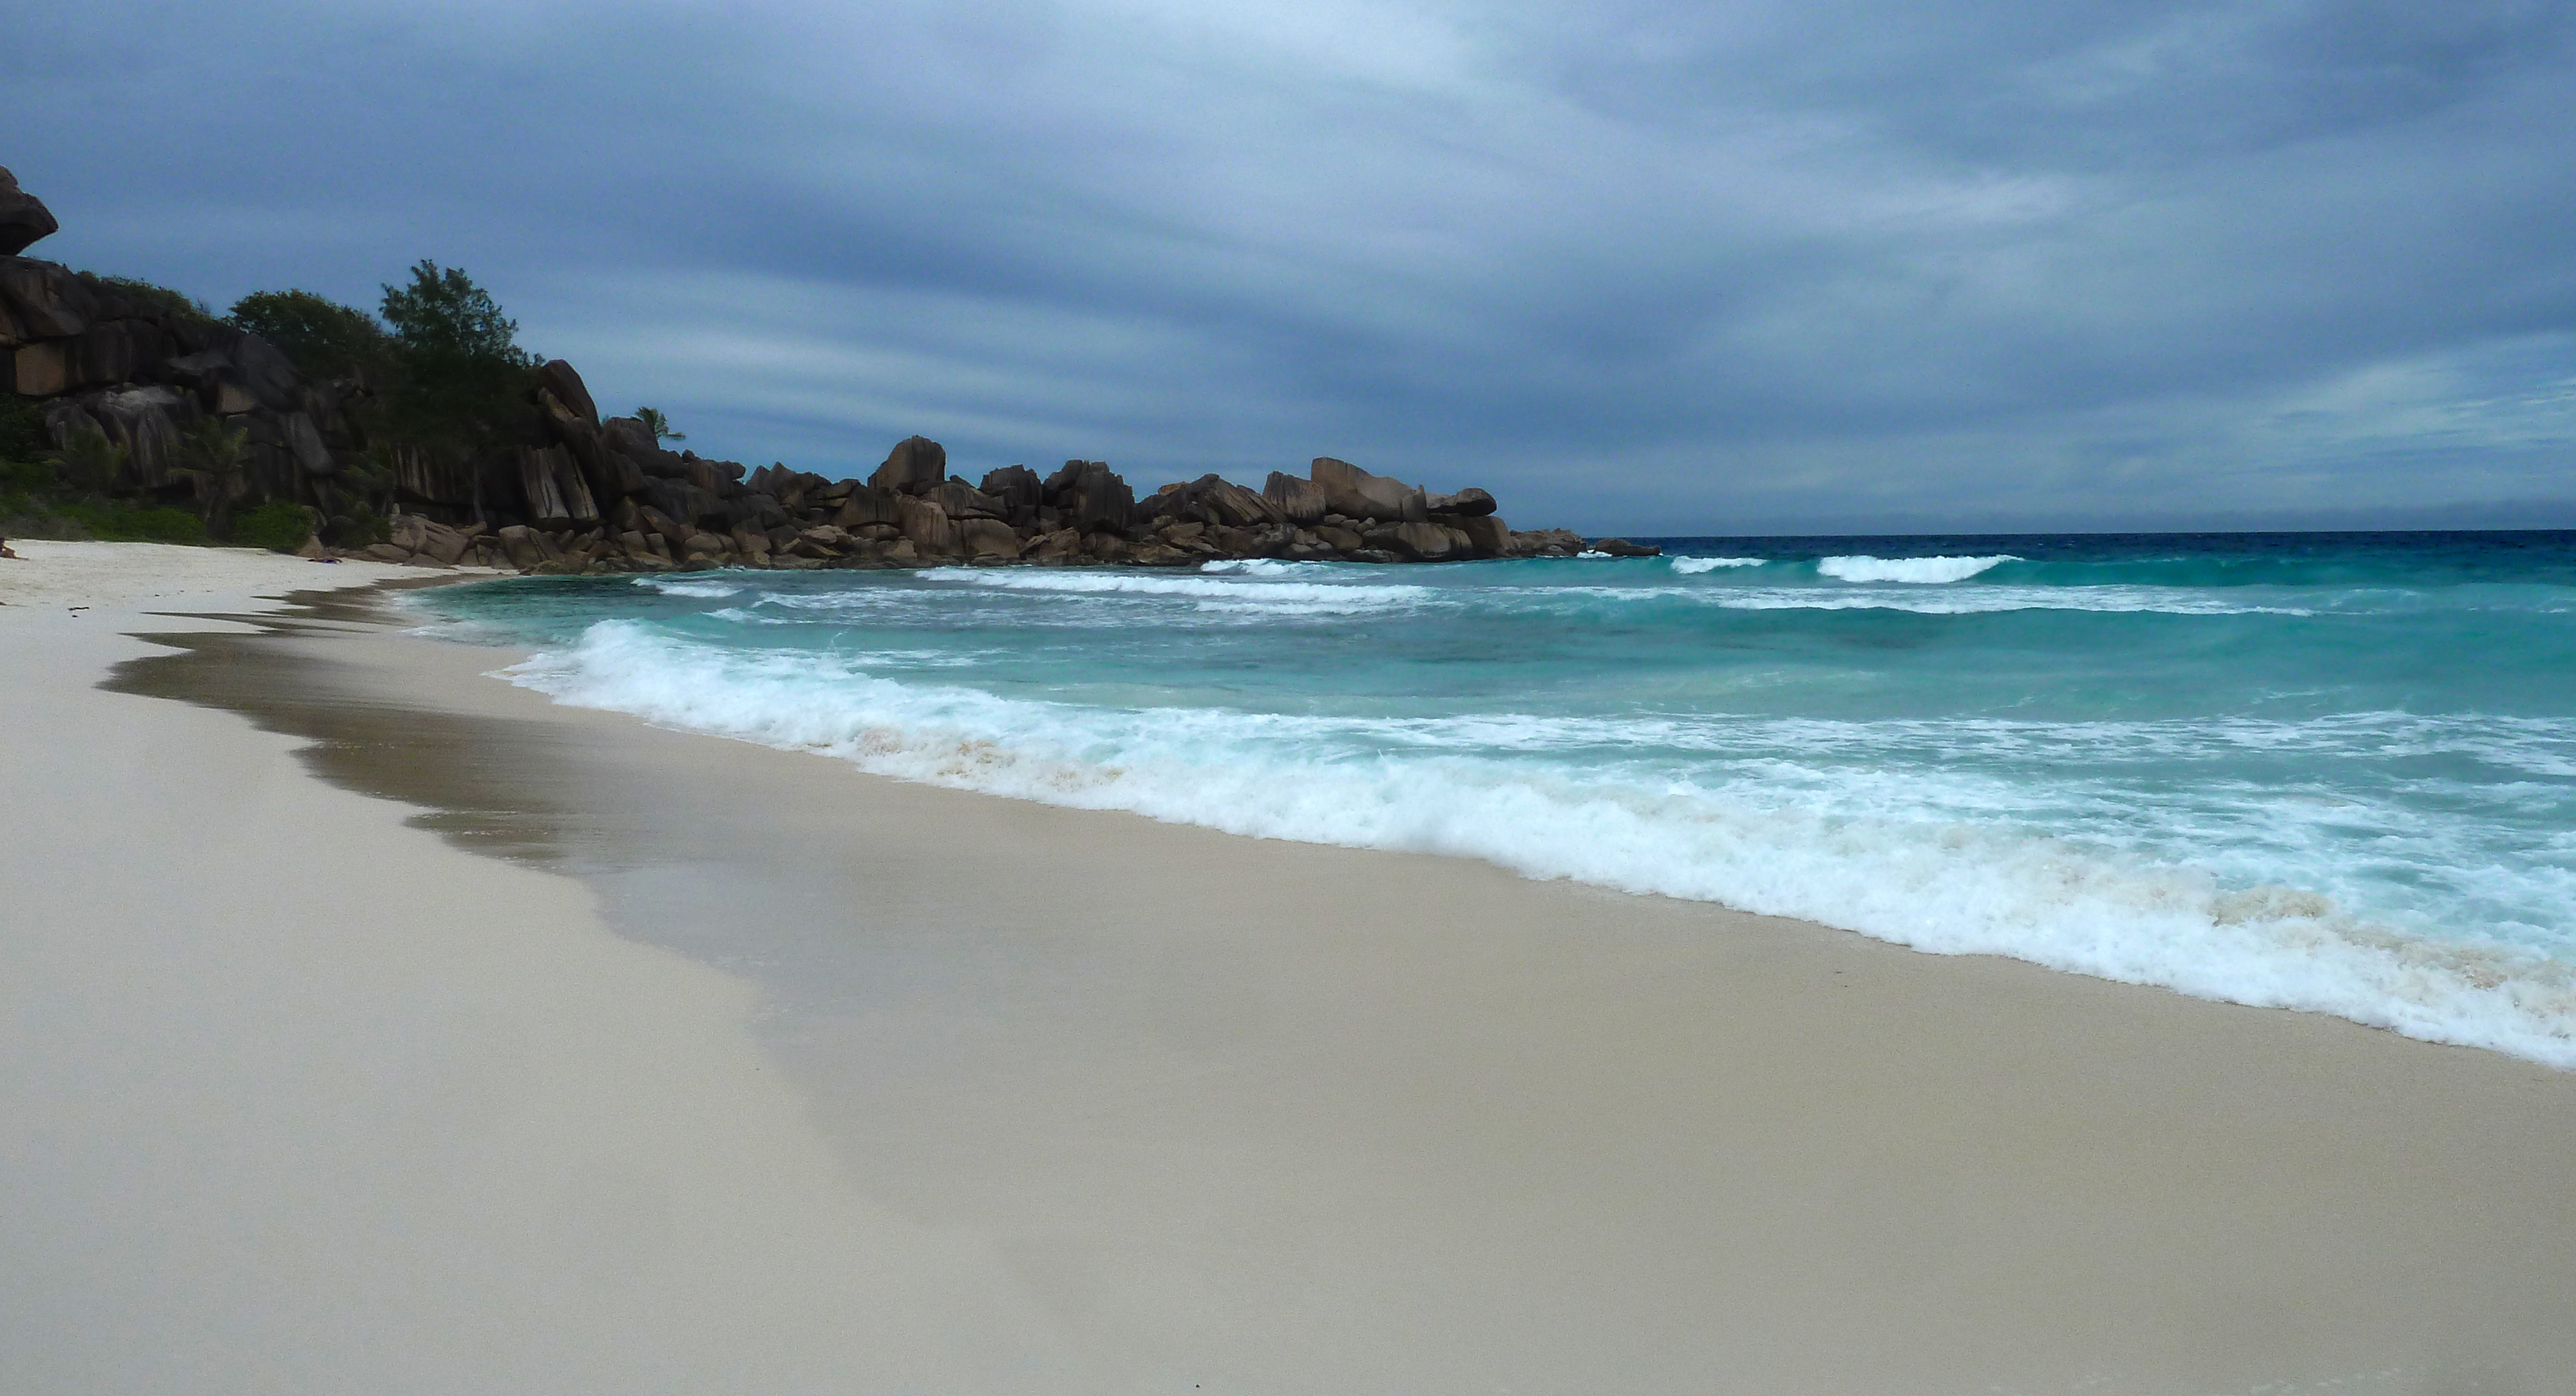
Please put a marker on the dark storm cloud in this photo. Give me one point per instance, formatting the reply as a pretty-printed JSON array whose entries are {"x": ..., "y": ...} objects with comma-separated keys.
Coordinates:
[{"x": 1659, "y": 267}]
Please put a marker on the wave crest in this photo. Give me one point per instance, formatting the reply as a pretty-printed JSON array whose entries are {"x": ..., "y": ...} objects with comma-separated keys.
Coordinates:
[
  {"x": 1937, "y": 885},
  {"x": 1861, "y": 567},
  {"x": 1218, "y": 589}
]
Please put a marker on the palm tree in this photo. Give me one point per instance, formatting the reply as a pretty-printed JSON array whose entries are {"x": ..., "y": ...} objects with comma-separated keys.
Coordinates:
[
  {"x": 214, "y": 455},
  {"x": 367, "y": 478},
  {"x": 91, "y": 462},
  {"x": 659, "y": 425}
]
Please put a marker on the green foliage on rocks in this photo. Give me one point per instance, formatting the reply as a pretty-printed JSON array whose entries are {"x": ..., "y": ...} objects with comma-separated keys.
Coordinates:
[
  {"x": 321, "y": 337},
  {"x": 465, "y": 378},
  {"x": 91, "y": 462},
  {"x": 25, "y": 476},
  {"x": 22, "y": 429},
  {"x": 365, "y": 495},
  {"x": 213, "y": 456},
  {"x": 438, "y": 368},
  {"x": 67, "y": 497},
  {"x": 277, "y": 526},
  {"x": 176, "y": 305},
  {"x": 357, "y": 528},
  {"x": 29, "y": 479},
  {"x": 116, "y": 522}
]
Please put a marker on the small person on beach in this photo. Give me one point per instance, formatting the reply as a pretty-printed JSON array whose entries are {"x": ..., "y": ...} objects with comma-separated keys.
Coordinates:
[{"x": 5, "y": 550}]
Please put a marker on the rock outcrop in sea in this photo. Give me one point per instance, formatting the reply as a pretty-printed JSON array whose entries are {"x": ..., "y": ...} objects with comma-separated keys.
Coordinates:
[{"x": 594, "y": 494}]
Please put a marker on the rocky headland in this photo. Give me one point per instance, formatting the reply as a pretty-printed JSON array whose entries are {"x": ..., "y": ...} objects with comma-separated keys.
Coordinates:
[{"x": 128, "y": 380}]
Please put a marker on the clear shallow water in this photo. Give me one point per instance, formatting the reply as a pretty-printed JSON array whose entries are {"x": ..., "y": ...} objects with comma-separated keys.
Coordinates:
[{"x": 2334, "y": 772}]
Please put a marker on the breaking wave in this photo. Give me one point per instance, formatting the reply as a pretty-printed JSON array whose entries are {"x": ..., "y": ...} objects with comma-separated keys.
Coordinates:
[
  {"x": 1791, "y": 834},
  {"x": 1863, "y": 568},
  {"x": 1312, "y": 596}
]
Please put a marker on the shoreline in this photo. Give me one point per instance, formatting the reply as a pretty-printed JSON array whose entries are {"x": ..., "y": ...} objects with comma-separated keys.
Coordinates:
[
  {"x": 296, "y": 1098},
  {"x": 1302, "y": 1117},
  {"x": 2072, "y": 894}
]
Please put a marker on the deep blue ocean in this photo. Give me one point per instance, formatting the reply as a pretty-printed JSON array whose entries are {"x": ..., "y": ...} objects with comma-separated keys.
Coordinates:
[{"x": 2326, "y": 771}]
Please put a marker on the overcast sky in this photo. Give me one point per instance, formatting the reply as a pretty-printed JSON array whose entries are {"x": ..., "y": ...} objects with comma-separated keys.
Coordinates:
[{"x": 1661, "y": 268}]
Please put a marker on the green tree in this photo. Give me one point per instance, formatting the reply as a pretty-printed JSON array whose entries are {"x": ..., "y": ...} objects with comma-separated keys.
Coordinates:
[
  {"x": 465, "y": 376},
  {"x": 277, "y": 526},
  {"x": 213, "y": 453},
  {"x": 443, "y": 313},
  {"x": 659, "y": 425},
  {"x": 321, "y": 337}
]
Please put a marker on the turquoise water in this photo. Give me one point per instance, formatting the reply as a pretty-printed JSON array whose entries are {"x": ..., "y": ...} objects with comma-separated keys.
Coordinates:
[{"x": 2334, "y": 772}]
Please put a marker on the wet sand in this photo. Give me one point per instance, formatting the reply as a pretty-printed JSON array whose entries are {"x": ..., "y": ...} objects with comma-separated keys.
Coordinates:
[{"x": 1098, "y": 1104}]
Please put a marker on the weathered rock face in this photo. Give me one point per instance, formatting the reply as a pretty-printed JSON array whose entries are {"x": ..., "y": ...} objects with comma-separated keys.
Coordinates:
[
  {"x": 42, "y": 370},
  {"x": 521, "y": 545},
  {"x": 556, "y": 494},
  {"x": 1467, "y": 503},
  {"x": 630, "y": 438},
  {"x": 1017, "y": 486},
  {"x": 927, "y": 526},
  {"x": 1552, "y": 542},
  {"x": 65, "y": 419},
  {"x": 1091, "y": 496},
  {"x": 1210, "y": 500},
  {"x": 1300, "y": 502},
  {"x": 916, "y": 463},
  {"x": 148, "y": 423},
  {"x": 441, "y": 544},
  {"x": 304, "y": 444},
  {"x": 1428, "y": 542},
  {"x": 987, "y": 538},
  {"x": 1355, "y": 493},
  {"x": 1486, "y": 535},
  {"x": 868, "y": 504},
  {"x": 115, "y": 351},
  {"x": 23, "y": 217},
  {"x": 237, "y": 372},
  {"x": 964, "y": 501},
  {"x": 1234, "y": 506},
  {"x": 45, "y": 300},
  {"x": 687, "y": 503},
  {"x": 558, "y": 378},
  {"x": 1340, "y": 540}
]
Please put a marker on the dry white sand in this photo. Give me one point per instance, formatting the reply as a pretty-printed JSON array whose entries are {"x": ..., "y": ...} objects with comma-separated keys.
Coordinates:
[
  {"x": 1003, "y": 1097},
  {"x": 161, "y": 576},
  {"x": 294, "y": 1098}
]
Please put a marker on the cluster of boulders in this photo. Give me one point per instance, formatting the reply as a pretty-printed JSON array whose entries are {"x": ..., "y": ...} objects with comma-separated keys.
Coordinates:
[
  {"x": 678, "y": 511},
  {"x": 605, "y": 495},
  {"x": 141, "y": 370}
]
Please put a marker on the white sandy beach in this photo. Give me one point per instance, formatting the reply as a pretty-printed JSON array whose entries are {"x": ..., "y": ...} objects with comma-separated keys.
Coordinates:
[
  {"x": 299, "y": 1099},
  {"x": 793, "y": 1079}
]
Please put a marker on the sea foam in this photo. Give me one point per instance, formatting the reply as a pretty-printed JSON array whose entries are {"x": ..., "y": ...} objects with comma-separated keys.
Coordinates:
[
  {"x": 1863, "y": 568},
  {"x": 1313, "y": 596},
  {"x": 1798, "y": 841},
  {"x": 2179, "y": 601},
  {"x": 1691, "y": 566},
  {"x": 704, "y": 591}
]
